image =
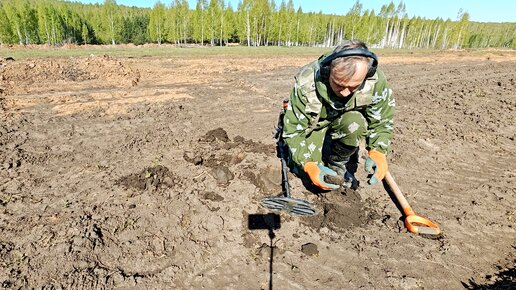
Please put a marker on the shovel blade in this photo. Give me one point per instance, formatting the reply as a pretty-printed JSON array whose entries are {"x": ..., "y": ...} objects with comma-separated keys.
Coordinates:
[
  {"x": 292, "y": 206},
  {"x": 420, "y": 225}
]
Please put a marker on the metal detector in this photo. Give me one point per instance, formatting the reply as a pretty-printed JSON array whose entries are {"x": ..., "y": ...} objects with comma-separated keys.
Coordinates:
[{"x": 283, "y": 202}]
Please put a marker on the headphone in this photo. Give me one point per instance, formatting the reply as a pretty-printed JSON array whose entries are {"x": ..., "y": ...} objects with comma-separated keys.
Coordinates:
[{"x": 325, "y": 66}]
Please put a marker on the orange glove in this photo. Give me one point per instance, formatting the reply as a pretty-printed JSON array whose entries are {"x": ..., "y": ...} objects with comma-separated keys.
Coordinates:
[
  {"x": 316, "y": 172},
  {"x": 376, "y": 164}
]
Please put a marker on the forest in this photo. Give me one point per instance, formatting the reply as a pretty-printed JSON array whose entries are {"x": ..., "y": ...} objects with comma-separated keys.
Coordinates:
[{"x": 251, "y": 23}]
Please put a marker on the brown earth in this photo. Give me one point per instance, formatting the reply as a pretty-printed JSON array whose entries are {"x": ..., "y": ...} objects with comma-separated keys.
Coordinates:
[{"x": 124, "y": 173}]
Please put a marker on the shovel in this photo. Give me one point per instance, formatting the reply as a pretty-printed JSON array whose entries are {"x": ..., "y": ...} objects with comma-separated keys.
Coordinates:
[
  {"x": 284, "y": 202},
  {"x": 414, "y": 223}
]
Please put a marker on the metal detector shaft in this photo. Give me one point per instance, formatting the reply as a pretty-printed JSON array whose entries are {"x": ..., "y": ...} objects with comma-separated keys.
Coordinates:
[{"x": 284, "y": 171}]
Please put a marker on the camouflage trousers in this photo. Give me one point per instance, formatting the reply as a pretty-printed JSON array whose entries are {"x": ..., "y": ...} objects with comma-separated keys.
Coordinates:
[
  {"x": 341, "y": 140},
  {"x": 340, "y": 150}
]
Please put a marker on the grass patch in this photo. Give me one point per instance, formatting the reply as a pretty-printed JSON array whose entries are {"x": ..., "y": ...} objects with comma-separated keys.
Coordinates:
[
  {"x": 158, "y": 51},
  {"x": 21, "y": 52}
]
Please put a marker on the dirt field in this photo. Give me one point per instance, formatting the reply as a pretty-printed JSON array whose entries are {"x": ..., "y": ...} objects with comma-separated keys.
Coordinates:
[{"x": 141, "y": 173}]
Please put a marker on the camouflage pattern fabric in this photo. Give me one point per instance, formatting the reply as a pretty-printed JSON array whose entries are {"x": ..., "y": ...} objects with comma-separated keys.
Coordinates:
[{"x": 315, "y": 112}]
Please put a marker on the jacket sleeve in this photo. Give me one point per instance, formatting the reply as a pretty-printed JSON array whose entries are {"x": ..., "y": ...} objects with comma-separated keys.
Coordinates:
[
  {"x": 304, "y": 144},
  {"x": 379, "y": 116}
]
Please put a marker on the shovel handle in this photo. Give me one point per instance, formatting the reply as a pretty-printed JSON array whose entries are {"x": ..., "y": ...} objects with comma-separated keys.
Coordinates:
[
  {"x": 407, "y": 210},
  {"x": 413, "y": 222}
]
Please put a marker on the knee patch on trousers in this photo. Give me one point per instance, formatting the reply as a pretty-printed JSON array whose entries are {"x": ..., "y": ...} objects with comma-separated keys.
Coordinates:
[{"x": 349, "y": 129}]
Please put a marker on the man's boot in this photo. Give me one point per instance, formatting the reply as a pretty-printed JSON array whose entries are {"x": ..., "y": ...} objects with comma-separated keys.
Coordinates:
[{"x": 343, "y": 159}]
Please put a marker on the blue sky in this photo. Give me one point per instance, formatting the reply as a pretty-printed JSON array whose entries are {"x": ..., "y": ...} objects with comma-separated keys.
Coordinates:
[{"x": 479, "y": 10}]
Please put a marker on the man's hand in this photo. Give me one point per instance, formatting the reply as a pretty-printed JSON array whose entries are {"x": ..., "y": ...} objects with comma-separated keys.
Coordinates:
[
  {"x": 376, "y": 164},
  {"x": 317, "y": 173}
]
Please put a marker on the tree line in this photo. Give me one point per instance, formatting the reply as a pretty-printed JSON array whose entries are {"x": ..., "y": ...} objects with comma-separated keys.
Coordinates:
[{"x": 252, "y": 23}]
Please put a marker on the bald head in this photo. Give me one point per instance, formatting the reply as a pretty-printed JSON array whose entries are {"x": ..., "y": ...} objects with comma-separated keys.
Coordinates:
[{"x": 348, "y": 74}]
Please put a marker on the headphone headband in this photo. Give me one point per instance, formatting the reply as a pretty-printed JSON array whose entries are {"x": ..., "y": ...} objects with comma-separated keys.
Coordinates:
[{"x": 326, "y": 63}]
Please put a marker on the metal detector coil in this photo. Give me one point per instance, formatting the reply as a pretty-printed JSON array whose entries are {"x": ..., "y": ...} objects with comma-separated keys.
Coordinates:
[{"x": 292, "y": 206}]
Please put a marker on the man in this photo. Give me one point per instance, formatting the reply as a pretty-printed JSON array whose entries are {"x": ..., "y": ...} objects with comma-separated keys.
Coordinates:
[{"x": 337, "y": 101}]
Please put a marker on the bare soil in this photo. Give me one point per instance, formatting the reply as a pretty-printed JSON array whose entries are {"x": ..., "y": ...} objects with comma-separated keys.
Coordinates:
[{"x": 125, "y": 173}]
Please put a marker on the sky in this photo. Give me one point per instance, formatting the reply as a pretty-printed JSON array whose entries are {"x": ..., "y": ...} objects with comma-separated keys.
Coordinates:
[{"x": 479, "y": 10}]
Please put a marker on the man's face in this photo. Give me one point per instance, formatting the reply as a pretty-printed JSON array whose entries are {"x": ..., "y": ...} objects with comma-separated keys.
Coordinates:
[{"x": 345, "y": 87}]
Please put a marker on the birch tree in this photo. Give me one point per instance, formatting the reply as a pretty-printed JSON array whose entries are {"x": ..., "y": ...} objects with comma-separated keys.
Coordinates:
[
  {"x": 460, "y": 28},
  {"x": 353, "y": 16},
  {"x": 244, "y": 16},
  {"x": 6, "y": 33},
  {"x": 157, "y": 22},
  {"x": 110, "y": 9},
  {"x": 214, "y": 20},
  {"x": 198, "y": 32}
]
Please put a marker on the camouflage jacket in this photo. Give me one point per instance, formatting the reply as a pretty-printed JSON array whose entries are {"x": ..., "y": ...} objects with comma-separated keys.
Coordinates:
[{"x": 313, "y": 106}]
